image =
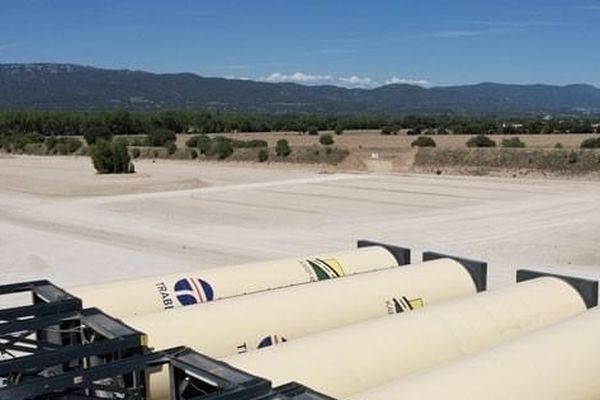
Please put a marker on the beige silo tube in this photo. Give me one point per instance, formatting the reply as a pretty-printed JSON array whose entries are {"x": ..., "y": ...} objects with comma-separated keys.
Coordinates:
[
  {"x": 153, "y": 294},
  {"x": 245, "y": 323},
  {"x": 353, "y": 359},
  {"x": 559, "y": 362}
]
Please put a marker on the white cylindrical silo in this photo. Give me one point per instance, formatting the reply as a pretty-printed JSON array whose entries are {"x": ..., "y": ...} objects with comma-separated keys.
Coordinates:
[
  {"x": 245, "y": 323},
  {"x": 153, "y": 294},
  {"x": 559, "y": 362},
  {"x": 354, "y": 358}
]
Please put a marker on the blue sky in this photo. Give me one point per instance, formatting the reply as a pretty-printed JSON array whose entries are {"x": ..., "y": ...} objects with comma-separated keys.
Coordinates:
[{"x": 348, "y": 43}]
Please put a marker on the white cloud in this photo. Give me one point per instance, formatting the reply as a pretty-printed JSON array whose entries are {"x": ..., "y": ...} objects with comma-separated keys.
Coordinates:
[
  {"x": 419, "y": 82},
  {"x": 298, "y": 77},
  {"x": 351, "y": 81},
  {"x": 357, "y": 81}
]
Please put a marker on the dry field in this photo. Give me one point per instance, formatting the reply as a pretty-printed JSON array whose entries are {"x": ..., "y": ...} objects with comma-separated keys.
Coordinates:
[
  {"x": 59, "y": 220},
  {"x": 373, "y": 140}
]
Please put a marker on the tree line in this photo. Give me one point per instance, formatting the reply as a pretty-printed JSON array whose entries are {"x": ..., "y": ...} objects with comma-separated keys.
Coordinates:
[{"x": 121, "y": 122}]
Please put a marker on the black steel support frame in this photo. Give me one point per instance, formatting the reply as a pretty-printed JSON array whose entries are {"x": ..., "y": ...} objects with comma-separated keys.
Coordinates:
[
  {"x": 401, "y": 254},
  {"x": 46, "y": 347},
  {"x": 477, "y": 269},
  {"x": 587, "y": 288}
]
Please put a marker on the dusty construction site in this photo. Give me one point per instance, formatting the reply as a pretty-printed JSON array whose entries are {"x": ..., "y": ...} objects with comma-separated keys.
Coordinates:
[{"x": 61, "y": 221}]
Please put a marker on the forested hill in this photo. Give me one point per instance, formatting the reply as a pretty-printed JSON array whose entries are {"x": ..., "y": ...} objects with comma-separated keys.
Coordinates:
[{"x": 75, "y": 87}]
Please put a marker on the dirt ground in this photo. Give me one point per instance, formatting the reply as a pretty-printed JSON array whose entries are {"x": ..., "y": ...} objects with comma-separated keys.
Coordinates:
[
  {"x": 58, "y": 220},
  {"x": 373, "y": 140}
]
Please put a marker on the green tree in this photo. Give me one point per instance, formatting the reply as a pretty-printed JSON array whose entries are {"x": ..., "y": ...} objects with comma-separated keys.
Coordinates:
[
  {"x": 313, "y": 131},
  {"x": 282, "y": 148},
  {"x": 102, "y": 157},
  {"x": 111, "y": 158}
]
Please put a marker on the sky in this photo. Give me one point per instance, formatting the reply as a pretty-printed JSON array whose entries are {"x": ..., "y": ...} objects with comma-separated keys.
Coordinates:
[{"x": 342, "y": 42}]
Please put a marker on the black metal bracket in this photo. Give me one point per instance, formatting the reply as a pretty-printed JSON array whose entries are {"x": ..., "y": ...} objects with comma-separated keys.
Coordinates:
[
  {"x": 587, "y": 288},
  {"x": 295, "y": 391},
  {"x": 46, "y": 299},
  {"x": 477, "y": 269},
  {"x": 198, "y": 377},
  {"x": 401, "y": 254}
]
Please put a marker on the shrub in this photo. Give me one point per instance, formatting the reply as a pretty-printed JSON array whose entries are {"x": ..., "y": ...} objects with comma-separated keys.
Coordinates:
[
  {"x": 160, "y": 137},
  {"x": 102, "y": 157},
  {"x": 171, "y": 148},
  {"x": 193, "y": 141},
  {"x": 263, "y": 155},
  {"x": 120, "y": 156},
  {"x": 193, "y": 154},
  {"x": 339, "y": 130},
  {"x": 514, "y": 142},
  {"x": 326, "y": 139},
  {"x": 222, "y": 149},
  {"x": 257, "y": 143},
  {"x": 328, "y": 150},
  {"x": 94, "y": 133},
  {"x": 558, "y": 146},
  {"x": 135, "y": 153},
  {"x": 313, "y": 131},
  {"x": 480, "y": 141},
  {"x": 386, "y": 130},
  {"x": 423, "y": 141},
  {"x": 591, "y": 143},
  {"x": 442, "y": 131},
  {"x": 63, "y": 145},
  {"x": 414, "y": 131},
  {"x": 282, "y": 149},
  {"x": 204, "y": 144},
  {"x": 111, "y": 158}
]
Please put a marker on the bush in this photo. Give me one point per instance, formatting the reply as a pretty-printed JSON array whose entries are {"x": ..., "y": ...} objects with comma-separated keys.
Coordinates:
[
  {"x": 194, "y": 140},
  {"x": 326, "y": 139},
  {"x": 204, "y": 144},
  {"x": 339, "y": 130},
  {"x": 414, "y": 131},
  {"x": 135, "y": 153},
  {"x": 263, "y": 155},
  {"x": 94, "y": 133},
  {"x": 423, "y": 141},
  {"x": 193, "y": 154},
  {"x": 282, "y": 149},
  {"x": 313, "y": 131},
  {"x": 591, "y": 143},
  {"x": 386, "y": 130},
  {"x": 222, "y": 149},
  {"x": 63, "y": 145},
  {"x": 513, "y": 142},
  {"x": 111, "y": 158},
  {"x": 257, "y": 143},
  {"x": 480, "y": 141},
  {"x": 171, "y": 148},
  {"x": 160, "y": 137},
  {"x": 558, "y": 146}
]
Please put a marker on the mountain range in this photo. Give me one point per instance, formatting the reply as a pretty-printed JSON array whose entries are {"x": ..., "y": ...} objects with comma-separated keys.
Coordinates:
[{"x": 75, "y": 87}]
